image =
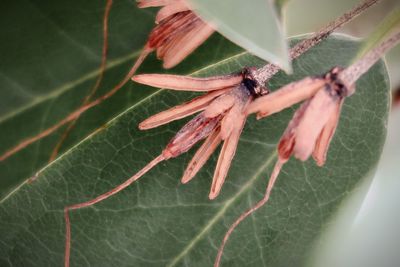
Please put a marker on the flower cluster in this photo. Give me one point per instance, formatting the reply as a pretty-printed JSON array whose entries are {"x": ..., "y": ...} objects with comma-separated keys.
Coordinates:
[
  {"x": 178, "y": 33},
  {"x": 221, "y": 118},
  {"x": 314, "y": 123}
]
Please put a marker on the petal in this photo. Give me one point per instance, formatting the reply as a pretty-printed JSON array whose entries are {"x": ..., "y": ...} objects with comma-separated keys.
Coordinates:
[
  {"x": 315, "y": 117},
  {"x": 153, "y": 3},
  {"x": 219, "y": 105},
  {"x": 176, "y": 38},
  {"x": 202, "y": 155},
  {"x": 324, "y": 139},
  {"x": 187, "y": 45},
  {"x": 181, "y": 111},
  {"x": 287, "y": 141},
  {"x": 195, "y": 130},
  {"x": 230, "y": 120},
  {"x": 225, "y": 158},
  {"x": 171, "y": 9},
  {"x": 170, "y": 27},
  {"x": 242, "y": 100},
  {"x": 186, "y": 83},
  {"x": 285, "y": 97}
]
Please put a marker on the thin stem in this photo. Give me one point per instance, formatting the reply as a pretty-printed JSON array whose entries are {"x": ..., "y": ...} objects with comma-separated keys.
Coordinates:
[
  {"x": 79, "y": 111},
  {"x": 265, "y": 73},
  {"x": 97, "y": 83},
  {"x": 102, "y": 197},
  {"x": 351, "y": 74},
  {"x": 244, "y": 215}
]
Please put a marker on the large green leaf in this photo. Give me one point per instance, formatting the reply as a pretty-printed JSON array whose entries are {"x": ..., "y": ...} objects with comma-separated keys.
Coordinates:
[
  {"x": 42, "y": 82},
  {"x": 159, "y": 222}
]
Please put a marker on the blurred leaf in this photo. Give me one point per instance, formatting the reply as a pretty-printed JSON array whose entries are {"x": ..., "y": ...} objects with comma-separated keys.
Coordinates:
[
  {"x": 381, "y": 32},
  {"x": 369, "y": 235},
  {"x": 159, "y": 222},
  {"x": 241, "y": 21},
  {"x": 280, "y": 5}
]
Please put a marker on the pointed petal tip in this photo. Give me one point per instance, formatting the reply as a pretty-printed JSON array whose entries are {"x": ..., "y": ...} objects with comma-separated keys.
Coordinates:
[
  {"x": 212, "y": 195},
  {"x": 261, "y": 115},
  {"x": 186, "y": 178},
  {"x": 169, "y": 65},
  {"x": 320, "y": 161},
  {"x": 142, "y": 126},
  {"x": 137, "y": 78}
]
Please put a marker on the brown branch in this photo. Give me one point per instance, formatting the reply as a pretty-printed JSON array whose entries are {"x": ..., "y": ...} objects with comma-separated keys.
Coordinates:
[
  {"x": 351, "y": 74},
  {"x": 265, "y": 73}
]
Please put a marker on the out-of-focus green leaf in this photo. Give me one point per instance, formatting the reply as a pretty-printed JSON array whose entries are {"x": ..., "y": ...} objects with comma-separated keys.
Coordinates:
[
  {"x": 253, "y": 25},
  {"x": 159, "y": 222},
  {"x": 280, "y": 5},
  {"x": 387, "y": 26},
  {"x": 366, "y": 229}
]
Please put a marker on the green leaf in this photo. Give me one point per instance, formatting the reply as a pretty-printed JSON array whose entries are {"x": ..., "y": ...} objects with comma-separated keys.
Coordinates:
[
  {"x": 280, "y": 5},
  {"x": 241, "y": 21},
  {"x": 44, "y": 81},
  {"x": 159, "y": 222}
]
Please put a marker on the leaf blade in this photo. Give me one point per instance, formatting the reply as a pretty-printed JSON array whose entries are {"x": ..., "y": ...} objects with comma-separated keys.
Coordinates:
[{"x": 158, "y": 222}]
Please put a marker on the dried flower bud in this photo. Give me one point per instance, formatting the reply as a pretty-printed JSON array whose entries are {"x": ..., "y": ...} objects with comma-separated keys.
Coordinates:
[
  {"x": 314, "y": 124},
  {"x": 222, "y": 118},
  {"x": 178, "y": 33}
]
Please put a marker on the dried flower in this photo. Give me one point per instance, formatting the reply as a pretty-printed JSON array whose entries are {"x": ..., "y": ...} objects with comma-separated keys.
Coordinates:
[
  {"x": 309, "y": 132},
  {"x": 178, "y": 33},
  {"x": 221, "y": 119},
  {"x": 314, "y": 123}
]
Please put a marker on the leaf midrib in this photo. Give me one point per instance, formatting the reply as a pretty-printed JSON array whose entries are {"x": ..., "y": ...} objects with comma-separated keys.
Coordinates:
[
  {"x": 222, "y": 211},
  {"x": 69, "y": 85},
  {"x": 2, "y": 200}
]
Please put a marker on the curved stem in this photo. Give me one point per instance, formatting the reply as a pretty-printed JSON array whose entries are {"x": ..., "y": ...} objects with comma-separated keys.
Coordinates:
[
  {"x": 96, "y": 85},
  {"x": 74, "y": 115},
  {"x": 244, "y": 215},
  {"x": 98, "y": 199}
]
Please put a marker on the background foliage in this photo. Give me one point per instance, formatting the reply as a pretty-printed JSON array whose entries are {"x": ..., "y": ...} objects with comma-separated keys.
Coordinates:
[{"x": 44, "y": 74}]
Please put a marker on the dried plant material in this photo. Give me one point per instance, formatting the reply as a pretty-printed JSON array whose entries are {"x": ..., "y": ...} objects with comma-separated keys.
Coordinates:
[
  {"x": 165, "y": 37},
  {"x": 322, "y": 144},
  {"x": 185, "y": 83},
  {"x": 221, "y": 120},
  {"x": 178, "y": 33},
  {"x": 313, "y": 125},
  {"x": 396, "y": 98},
  {"x": 202, "y": 155},
  {"x": 96, "y": 86},
  {"x": 310, "y": 130},
  {"x": 265, "y": 73},
  {"x": 181, "y": 111},
  {"x": 286, "y": 96},
  {"x": 240, "y": 89}
]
